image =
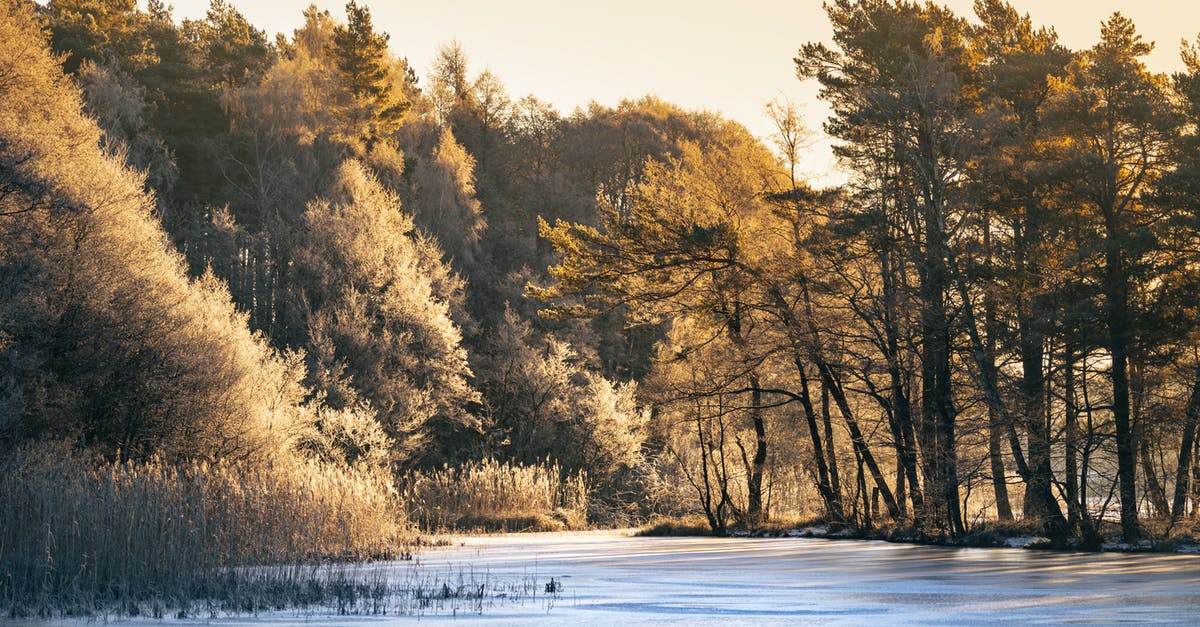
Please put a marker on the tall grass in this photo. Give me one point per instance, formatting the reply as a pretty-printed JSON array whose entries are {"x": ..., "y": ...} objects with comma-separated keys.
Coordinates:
[
  {"x": 497, "y": 495},
  {"x": 80, "y": 537}
]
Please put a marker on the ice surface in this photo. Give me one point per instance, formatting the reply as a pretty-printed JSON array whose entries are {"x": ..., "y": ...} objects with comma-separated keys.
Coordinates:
[{"x": 608, "y": 578}]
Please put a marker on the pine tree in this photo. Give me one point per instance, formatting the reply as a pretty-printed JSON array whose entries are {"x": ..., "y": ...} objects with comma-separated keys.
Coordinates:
[
  {"x": 1120, "y": 122},
  {"x": 362, "y": 56}
]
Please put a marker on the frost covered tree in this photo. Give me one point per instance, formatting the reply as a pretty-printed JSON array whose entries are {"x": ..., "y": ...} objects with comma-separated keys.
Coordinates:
[
  {"x": 544, "y": 402},
  {"x": 444, "y": 200},
  {"x": 102, "y": 336},
  {"x": 378, "y": 308},
  {"x": 117, "y": 102}
]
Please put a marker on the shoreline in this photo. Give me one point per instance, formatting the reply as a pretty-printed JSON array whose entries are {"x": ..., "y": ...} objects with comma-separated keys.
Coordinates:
[{"x": 984, "y": 539}]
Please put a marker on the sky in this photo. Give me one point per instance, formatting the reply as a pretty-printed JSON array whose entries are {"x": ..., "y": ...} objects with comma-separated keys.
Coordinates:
[{"x": 730, "y": 57}]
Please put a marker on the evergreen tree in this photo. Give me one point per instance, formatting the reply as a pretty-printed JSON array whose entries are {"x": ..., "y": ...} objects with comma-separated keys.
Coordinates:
[
  {"x": 1122, "y": 122},
  {"x": 234, "y": 51},
  {"x": 362, "y": 56}
]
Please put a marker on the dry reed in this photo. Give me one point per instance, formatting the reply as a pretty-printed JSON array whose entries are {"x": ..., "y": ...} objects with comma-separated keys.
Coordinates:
[
  {"x": 495, "y": 495},
  {"x": 82, "y": 537}
]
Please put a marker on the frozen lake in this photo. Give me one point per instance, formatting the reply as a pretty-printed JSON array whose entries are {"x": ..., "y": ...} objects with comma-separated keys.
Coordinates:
[{"x": 609, "y": 578}]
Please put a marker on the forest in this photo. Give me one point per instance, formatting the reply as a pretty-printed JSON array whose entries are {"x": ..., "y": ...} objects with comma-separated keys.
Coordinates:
[{"x": 270, "y": 299}]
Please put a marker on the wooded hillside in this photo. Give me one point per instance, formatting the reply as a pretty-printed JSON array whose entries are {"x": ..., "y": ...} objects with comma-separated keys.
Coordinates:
[{"x": 223, "y": 246}]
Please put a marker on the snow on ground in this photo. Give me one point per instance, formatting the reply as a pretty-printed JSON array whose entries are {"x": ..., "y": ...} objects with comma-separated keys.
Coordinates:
[{"x": 608, "y": 578}]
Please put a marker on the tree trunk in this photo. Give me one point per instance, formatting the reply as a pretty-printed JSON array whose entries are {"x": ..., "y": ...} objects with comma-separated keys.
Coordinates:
[
  {"x": 833, "y": 386},
  {"x": 996, "y": 462},
  {"x": 830, "y": 452},
  {"x": 991, "y": 328},
  {"x": 860, "y": 483},
  {"x": 937, "y": 393},
  {"x": 1196, "y": 481},
  {"x": 1037, "y": 472},
  {"x": 901, "y": 401},
  {"x": 1116, "y": 291},
  {"x": 754, "y": 480},
  {"x": 1187, "y": 444},
  {"x": 829, "y": 494},
  {"x": 1071, "y": 419},
  {"x": 857, "y": 439},
  {"x": 706, "y": 494},
  {"x": 1040, "y": 503},
  {"x": 754, "y": 499},
  {"x": 1154, "y": 487}
]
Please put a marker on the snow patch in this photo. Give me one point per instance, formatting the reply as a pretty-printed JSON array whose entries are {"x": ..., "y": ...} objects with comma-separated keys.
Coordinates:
[
  {"x": 1144, "y": 545},
  {"x": 1025, "y": 542}
]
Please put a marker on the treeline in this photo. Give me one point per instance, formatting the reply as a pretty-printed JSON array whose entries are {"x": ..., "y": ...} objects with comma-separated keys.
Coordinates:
[
  {"x": 995, "y": 317},
  {"x": 269, "y": 293},
  {"x": 297, "y": 252},
  {"x": 344, "y": 250}
]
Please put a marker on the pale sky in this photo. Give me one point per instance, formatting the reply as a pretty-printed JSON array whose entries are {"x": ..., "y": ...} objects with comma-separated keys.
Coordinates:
[{"x": 725, "y": 56}]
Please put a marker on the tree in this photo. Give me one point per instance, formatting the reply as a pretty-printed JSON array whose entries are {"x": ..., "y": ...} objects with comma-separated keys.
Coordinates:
[
  {"x": 445, "y": 201},
  {"x": 103, "y": 337},
  {"x": 694, "y": 240},
  {"x": 449, "y": 83},
  {"x": 901, "y": 87},
  {"x": 1122, "y": 121},
  {"x": 1181, "y": 189},
  {"x": 182, "y": 107},
  {"x": 362, "y": 56},
  {"x": 290, "y": 131},
  {"x": 101, "y": 31},
  {"x": 235, "y": 53},
  {"x": 543, "y": 402},
  {"x": 1016, "y": 182},
  {"x": 698, "y": 389},
  {"x": 378, "y": 310},
  {"x": 117, "y": 102},
  {"x": 791, "y": 137}
]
